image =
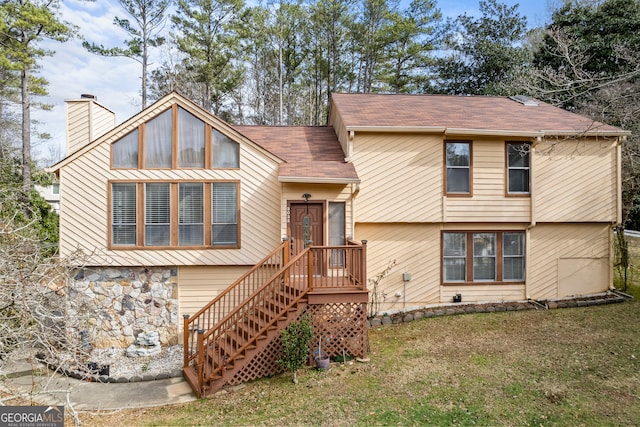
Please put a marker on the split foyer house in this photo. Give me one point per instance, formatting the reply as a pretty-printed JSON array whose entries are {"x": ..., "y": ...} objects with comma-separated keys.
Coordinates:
[{"x": 217, "y": 235}]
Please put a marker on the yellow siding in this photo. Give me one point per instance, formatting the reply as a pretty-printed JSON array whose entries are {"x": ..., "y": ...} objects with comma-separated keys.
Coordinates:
[
  {"x": 549, "y": 244},
  {"x": 489, "y": 202},
  {"x": 401, "y": 177},
  {"x": 103, "y": 120},
  {"x": 86, "y": 121},
  {"x": 576, "y": 181},
  {"x": 199, "y": 285},
  {"x": 335, "y": 120},
  {"x": 319, "y": 192},
  {"x": 581, "y": 249},
  {"x": 78, "y": 130},
  {"x": 84, "y": 225},
  {"x": 416, "y": 250}
]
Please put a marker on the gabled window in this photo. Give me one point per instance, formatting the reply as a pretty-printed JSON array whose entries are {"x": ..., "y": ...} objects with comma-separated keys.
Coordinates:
[
  {"x": 124, "y": 152},
  {"x": 191, "y": 141},
  {"x": 175, "y": 139},
  {"x": 483, "y": 257},
  {"x": 174, "y": 214},
  {"x": 458, "y": 168},
  {"x": 158, "y": 142},
  {"x": 518, "y": 168},
  {"x": 225, "y": 151}
]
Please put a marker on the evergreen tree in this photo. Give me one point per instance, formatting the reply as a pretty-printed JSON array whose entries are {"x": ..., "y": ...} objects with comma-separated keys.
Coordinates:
[
  {"x": 484, "y": 54},
  {"x": 24, "y": 24},
  {"x": 208, "y": 38},
  {"x": 149, "y": 18},
  {"x": 413, "y": 37}
]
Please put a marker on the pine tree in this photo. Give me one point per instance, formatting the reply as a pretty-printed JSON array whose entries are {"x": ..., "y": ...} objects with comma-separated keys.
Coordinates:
[
  {"x": 149, "y": 18},
  {"x": 24, "y": 24}
]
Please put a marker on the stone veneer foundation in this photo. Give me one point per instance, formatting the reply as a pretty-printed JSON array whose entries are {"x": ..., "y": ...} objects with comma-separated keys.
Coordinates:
[{"x": 117, "y": 304}]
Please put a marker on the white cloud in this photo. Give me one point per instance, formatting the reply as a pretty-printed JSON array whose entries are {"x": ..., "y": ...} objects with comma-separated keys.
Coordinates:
[{"x": 72, "y": 70}]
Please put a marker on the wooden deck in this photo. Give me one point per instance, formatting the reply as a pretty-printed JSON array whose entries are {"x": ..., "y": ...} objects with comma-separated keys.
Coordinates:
[{"x": 237, "y": 335}]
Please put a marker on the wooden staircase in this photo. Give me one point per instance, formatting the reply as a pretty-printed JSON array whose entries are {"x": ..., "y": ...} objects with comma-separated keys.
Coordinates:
[{"x": 236, "y": 337}]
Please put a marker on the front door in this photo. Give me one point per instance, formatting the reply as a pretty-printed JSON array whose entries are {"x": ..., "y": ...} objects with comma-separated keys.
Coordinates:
[{"x": 306, "y": 227}]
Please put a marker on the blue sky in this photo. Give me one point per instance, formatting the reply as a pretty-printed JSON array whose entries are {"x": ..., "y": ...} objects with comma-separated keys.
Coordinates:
[{"x": 72, "y": 71}]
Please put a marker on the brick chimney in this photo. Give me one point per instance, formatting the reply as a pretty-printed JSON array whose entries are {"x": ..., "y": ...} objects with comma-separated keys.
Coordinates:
[{"x": 86, "y": 121}]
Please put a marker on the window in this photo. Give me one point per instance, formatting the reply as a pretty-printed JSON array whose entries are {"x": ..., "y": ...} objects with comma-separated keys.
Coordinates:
[
  {"x": 157, "y": 214},
  {"x": 175, "y": 139},
  {"x": 191, "y": 214},
  {"x": 190, "y": 140},
  {"x": 157, "y": 146},
  {"x": 225, "y": 151},
  {"x": 485, "y": 257},
  {"x": 336, "y": 233},
  {"x": 518, "y": 168},
  {"x": 174, "y": 214},
  {"x": 123, "y": 214},
  {"x": 224, "y": 208},
  {"x": 454, "y": 257},
  {"x": 513, "y": 257},
  {"x": 124, "y": 151},
  {"x": 458, "y": 166},
  {"x": 55, "y": 188}
]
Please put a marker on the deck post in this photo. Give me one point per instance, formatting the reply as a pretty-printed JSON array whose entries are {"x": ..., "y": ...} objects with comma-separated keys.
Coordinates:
[
  {"x": 200, "y": 362},
  {"x": 364, "y": 265},
  {"x": 310, "y": 269},
  {"x": 285, "y": 251},
  {"x": 186, "y": 336}
]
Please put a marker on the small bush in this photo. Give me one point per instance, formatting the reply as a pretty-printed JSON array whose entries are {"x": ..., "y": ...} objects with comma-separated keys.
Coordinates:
[{"x": 296, "y": 339}]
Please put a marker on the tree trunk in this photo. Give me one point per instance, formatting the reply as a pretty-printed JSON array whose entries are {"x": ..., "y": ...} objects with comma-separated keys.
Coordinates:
[{"x": 26, "y": 132}]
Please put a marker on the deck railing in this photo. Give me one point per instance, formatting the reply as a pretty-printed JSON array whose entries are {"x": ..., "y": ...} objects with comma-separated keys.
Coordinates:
[{"x": 342, "y": 266}]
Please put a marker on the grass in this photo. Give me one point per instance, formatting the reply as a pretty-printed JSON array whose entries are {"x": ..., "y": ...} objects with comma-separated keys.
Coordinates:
[{"x": 578, "y": 367}]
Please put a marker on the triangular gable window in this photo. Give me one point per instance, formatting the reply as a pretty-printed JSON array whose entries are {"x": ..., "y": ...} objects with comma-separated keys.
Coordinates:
[{"x": 175, "y": 139}]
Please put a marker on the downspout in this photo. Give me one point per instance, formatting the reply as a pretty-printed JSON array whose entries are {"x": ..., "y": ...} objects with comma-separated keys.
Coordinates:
[
  {"x": 532, "y": 212},
  {"x": 355, "y": 187},
  {"x": 618, "y": 202}
]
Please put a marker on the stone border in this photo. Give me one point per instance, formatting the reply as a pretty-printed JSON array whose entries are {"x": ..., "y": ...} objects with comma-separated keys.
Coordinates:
[
  {"x": 469, "y": 308},
  {"x": 396, "y": 318},
  {"x": 86, "y": 376}
]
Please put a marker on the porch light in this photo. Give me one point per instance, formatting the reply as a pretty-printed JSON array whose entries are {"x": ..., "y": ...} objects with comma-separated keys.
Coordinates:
[{"x": 306, "y": 197}]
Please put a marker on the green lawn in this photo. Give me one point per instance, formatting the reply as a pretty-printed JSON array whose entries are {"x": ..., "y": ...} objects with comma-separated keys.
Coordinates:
[
  {"x": 577, "y": 366},
  {"x": 565, "y": 367}
]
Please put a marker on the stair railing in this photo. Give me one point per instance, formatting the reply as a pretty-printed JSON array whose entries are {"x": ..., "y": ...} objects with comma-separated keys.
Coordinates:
[
  {"x": 212, "y": 313},
  {"x": 227, "y": 340}
]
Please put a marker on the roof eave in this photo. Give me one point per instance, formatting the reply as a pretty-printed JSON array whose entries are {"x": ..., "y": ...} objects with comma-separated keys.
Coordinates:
[
  {"x": 317, "y": 180},
  {"x": 484, "y": 132}
]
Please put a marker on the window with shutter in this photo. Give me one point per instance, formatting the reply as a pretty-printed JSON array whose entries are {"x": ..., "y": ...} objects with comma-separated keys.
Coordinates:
[
  {"x": 123, "y": 214},
  {"x": 157, "y": 230},
  {"x": 224, "y": 213},
  {"x": 190, "y": 214}
]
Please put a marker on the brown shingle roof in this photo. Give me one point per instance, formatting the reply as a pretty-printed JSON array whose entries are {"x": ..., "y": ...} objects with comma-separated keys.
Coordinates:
[
  {"x": 485, "y": 113},
  {"x": 311, "y": 153}
]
